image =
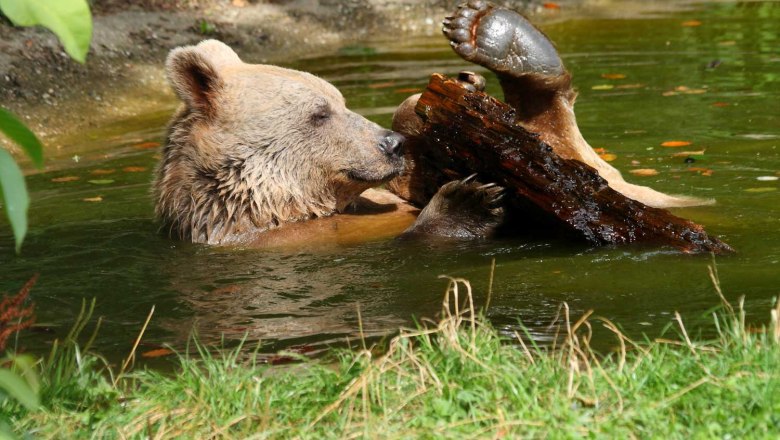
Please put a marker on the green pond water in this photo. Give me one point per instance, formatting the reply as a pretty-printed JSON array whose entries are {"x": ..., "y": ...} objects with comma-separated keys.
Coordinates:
[{"x": 716, "y": 85}]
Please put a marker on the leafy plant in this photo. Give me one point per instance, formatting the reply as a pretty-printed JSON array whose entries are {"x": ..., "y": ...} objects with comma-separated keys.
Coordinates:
[
  {"x": 18, "y": 379},
  {"x": 71, "y": 22},
  {"x": 11, "y": 178}
]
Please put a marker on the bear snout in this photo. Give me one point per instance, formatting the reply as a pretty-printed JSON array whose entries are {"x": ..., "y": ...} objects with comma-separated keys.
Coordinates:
[{"x": 392, "y": 143}]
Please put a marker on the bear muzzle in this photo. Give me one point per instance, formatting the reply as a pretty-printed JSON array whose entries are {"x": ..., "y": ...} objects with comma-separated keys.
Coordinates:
[{"x": 392, "y": 143}]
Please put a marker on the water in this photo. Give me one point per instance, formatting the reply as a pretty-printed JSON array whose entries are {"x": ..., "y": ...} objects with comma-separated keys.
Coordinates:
[{"x": 722, "y": 84}]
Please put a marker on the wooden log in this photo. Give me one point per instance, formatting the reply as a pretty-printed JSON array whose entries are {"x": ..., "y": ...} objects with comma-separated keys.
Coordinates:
[{"x": 467, "y": 131}]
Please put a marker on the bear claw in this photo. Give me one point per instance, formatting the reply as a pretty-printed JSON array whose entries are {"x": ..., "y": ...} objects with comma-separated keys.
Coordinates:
[
  {"x": 501, "y": 40},
  {"x": 461, "y": 209}
]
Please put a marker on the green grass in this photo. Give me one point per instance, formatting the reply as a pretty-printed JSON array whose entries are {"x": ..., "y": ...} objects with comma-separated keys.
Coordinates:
[{"x": 456, "y": 378}]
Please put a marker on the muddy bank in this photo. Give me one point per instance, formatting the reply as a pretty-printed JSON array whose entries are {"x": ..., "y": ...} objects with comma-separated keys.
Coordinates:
[{"x": 123, "y": 77}]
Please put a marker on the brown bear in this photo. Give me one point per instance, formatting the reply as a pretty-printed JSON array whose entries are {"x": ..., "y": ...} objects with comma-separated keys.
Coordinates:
[
  {"x": 255, "y": 147},
  {"x": 535, "y": 83}
]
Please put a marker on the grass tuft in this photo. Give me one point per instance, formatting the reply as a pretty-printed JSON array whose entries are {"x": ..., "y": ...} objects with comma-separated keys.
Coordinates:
[{"x": 452, "y": 378}]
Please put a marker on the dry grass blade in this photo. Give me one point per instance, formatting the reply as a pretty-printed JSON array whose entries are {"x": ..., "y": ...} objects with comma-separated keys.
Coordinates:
[
  {"x": 490, "y": 283},
  {"x": 713, "y": 269},
  {"x": 131, "y": 357},
  {"x": 688, "y": 342},
  {"x": 527, "y": 352}
]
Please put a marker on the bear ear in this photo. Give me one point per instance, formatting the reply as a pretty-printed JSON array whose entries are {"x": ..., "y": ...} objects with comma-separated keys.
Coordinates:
[{"x": 193, "y": 71}]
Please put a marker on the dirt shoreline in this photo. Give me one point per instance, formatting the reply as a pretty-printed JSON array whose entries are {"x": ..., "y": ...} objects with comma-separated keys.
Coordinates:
[{"x": 123, "y": 77}]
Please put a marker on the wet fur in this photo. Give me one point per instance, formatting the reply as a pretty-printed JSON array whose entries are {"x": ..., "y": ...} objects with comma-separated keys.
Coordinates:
[{"x": 255, "y": 147}]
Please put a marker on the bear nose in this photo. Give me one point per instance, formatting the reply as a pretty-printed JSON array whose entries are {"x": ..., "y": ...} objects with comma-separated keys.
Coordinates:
[{"x": 392, "y": 143}]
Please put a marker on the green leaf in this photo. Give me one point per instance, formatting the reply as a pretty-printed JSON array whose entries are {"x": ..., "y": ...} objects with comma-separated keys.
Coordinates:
[
  {"x": 70, "y": 20},
  {"x": 19, "y": 133},
  {"x": 25, "y": 366},
  {"x": 14, "y": 196},
  {"x": 16, "y": 387}
]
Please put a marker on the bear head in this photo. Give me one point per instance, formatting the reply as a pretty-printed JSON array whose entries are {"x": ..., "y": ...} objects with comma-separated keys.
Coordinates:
[{"x": 256, "y": 146}]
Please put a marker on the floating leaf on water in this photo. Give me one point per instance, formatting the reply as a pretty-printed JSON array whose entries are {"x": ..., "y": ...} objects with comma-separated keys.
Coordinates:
[
  {"x": 675, "y": 144},
  {"x": 102, "y": 172},
  {"x": 644, "y": 172},
  {"x": 406, "y": 90},
  {"x": 133, "y": 169},
  {"x": 551, "y": 5},
  {"x": 767, "y": 178},
  {"x": 688, "y": 153},
  {"x": 683, "y": 90},
  {"x": 609, "y": 157},
  {"x": 158, "y": 352},
  {"x": 382, "y": 85},
  {"x": 689, "y": 91},
  {"x": 630, "y": 86},
  {"x": 600, "y": 150},
  {"x": 761, "y": 190},
  {"x": 635, "y": 163},
  {"x": 603, "y": 87},
  {"x": 701, "y": 171},
  {"x": 101, "y": 181},
  {"x": 146, "y": 145},
  {"x": 613, "y": 75},
  {"x": 691, "y": 23},
  {"x": 720, "y": 104},
  {"x": 727, "y": 43},
  {"x": 93, "y": 199},
  {"x": 65, "y": 179}
]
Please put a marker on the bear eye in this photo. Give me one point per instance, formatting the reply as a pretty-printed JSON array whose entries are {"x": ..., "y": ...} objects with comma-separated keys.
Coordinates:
[{"x": 320, "y": 116}]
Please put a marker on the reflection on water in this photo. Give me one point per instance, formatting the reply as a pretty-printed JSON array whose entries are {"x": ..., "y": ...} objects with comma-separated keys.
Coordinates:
[{"x": 641, "y": 81}]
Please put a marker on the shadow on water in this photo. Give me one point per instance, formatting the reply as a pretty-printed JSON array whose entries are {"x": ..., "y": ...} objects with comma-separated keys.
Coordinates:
[{"x": 715, "y": 85}]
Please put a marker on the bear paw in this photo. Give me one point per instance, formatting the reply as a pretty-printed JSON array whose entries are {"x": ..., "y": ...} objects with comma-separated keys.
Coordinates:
[
  {"x": 501, "y": 40},
  {"x": 461, "y": 209}
]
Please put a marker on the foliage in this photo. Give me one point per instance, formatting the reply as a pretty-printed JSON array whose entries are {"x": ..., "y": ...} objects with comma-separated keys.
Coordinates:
[
  {"x": 20, "y": 381},
  {"x": 14, "y": 315},
  {"x": 70, "y": 20},
  {"x": 452, "y": 379},
  {"x": 18, "y": 388},
  {"x": 11, "y": 178},
  {"x": 15, "y": 196}
]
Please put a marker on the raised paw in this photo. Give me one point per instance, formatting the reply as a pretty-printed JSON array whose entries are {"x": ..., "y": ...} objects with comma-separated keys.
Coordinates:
[
  {"x": 501, "y": 40},
  {"x": 461, "y": 209}
]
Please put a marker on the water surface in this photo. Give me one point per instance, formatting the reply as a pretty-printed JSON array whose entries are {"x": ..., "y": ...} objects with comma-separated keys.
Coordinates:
[{"x": 642, "y": 81}]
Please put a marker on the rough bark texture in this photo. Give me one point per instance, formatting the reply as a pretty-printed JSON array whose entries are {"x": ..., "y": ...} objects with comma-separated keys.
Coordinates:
[{"x": 470, "y": 132}]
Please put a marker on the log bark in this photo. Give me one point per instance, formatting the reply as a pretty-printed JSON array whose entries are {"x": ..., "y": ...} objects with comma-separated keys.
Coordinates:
[{"x": 467, "y": 131}]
